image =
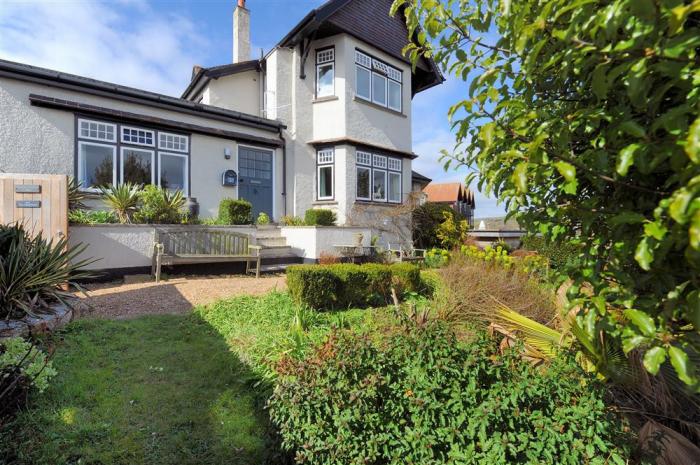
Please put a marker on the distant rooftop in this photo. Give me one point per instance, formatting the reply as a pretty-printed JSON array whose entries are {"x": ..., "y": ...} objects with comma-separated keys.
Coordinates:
[
  {"x": 497, "y": 224},
  {"x": 449, "y": 192}
]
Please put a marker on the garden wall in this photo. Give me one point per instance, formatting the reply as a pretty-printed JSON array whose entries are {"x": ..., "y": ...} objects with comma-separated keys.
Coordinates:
[{"x": 309, "y": 241}]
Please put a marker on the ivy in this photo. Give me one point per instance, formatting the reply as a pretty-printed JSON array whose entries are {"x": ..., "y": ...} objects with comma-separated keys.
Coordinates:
[{"x": 583, "y": 117}]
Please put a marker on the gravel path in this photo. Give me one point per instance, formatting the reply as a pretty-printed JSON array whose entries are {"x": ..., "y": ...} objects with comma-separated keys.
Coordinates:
[{"x": 174, "y": 296}]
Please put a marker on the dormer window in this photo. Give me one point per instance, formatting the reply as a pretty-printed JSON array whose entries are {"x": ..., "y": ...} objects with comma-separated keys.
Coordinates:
[
  {"x": 325, "y": 72},
  {"x": 377, "y": 82}
]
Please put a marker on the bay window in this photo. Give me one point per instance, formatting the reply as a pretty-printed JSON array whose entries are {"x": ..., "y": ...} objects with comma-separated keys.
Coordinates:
[
  {"x": 172, "y": 171},
  {"x": 324, "y": 174},
  {"x": 325, "y": 72},
  {"x": 378, "y": 82},
  {"x": 137, "y": 166},
  {"x": 378, "y": 177},
  {"x": 96, "y": 165}
]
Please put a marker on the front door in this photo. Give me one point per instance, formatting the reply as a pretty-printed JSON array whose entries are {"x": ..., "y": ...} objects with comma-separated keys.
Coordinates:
[{"x": 255, "y": 179}]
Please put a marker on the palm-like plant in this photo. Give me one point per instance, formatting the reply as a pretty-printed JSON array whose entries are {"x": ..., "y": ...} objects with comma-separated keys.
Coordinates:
[
  {"x": 34, "y": 272},
  {"x": 122, "y": 200},
  {"x": 76, "y": 195}
]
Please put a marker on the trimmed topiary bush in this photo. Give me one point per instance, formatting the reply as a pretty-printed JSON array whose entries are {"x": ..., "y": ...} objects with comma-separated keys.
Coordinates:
[
  {"x": 423, "y": 397},
  {"x": 320, "y": 217},
  {"x": 345, "y": 285},
  {"x": 232, "y": 211},
  {"x": 559, "y": 255}
]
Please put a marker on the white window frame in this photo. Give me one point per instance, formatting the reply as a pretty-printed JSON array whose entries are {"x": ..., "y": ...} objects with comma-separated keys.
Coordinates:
[
  {"x": 318, "y": 181},
  {"x": 330, "y": 153},
  {"x": 121, "y": 162},
  {"x": 81, "y": 170},
  {"x": 363, "y": 153},
  {"x": 325, "y": 58},
  {"x": 318, "y": 72},
  {"x": 134, "y": 128},
  {"x": 186, "y": 190},
  {"x": 389, "y": 82},
  {"x": 386, "y": 90},
  {"x": 103, "y": 123},
  {"x": 379, "y": 161},
  {"x": 357, "y": 182},
  {"x": 367, "y": 97},
  {"x": 170, "y": 149},
  {"x": 388, "y": 186},
  {"x": 396, "y": 167}
]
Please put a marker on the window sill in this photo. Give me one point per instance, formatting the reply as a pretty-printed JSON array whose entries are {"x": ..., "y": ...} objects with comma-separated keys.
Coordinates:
[
  {"x": 379, "y": 107},
  {"x": 377, "y": 203},
  {"x": 329, "y": 98},
  {"x": 324, "y": 202}
]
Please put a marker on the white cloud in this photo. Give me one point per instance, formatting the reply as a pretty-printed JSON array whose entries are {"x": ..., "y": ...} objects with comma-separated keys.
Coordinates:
[{"x": 125, "y": 42}]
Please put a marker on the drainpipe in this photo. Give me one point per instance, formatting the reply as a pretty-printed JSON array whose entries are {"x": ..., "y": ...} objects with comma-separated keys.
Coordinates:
[{"x": 284, "y": 169}]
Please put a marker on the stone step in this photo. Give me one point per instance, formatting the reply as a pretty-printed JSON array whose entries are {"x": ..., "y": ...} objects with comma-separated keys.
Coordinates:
[
  {"x": 271, "y": 241},
  {"x": 276, "y": 268},
  {"x": 277, "y": 251}
]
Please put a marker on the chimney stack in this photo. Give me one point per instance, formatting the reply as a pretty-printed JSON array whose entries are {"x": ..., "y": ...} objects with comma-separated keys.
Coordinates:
[{"x": 241, "y": 33}]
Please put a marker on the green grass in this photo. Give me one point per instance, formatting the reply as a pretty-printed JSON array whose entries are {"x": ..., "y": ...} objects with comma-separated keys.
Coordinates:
[{"x": 169, "y": 389}]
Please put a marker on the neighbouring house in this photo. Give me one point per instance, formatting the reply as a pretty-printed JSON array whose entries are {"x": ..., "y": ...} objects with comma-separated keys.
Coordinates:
[
  {"x": 488, "y": 231},
  {"x": 459, "y": 197},
  {"x": 323, "y": 120}
]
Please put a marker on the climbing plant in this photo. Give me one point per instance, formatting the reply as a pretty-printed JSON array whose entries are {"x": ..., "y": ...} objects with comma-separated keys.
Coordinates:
[{"x": 582, "y": 116}]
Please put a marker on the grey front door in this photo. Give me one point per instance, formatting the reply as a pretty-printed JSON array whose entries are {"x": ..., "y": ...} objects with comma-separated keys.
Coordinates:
[{"x": 255, "y": 179}]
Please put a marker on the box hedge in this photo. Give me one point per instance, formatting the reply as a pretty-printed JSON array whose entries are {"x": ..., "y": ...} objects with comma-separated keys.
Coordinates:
[
  {"x": 233, "y": 211},
  {"x": 320, "y": 217},
  {"x": 345, "y": 285}
]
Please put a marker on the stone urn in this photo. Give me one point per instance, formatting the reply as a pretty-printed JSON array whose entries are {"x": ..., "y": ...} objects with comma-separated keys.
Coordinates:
[
  {"x": 192, "y": 207},
  {"x": 358, "y": 239}
]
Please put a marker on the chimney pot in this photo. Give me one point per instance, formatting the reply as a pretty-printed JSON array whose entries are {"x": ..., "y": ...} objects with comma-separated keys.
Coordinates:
[{"x": 241, "y": 3}]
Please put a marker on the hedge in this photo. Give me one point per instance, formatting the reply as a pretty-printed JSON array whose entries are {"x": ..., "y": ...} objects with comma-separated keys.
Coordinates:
[
  {"x": 319, "y": 217},
  {"x": 344, "y": 285},
  {"x": 235, "y": 211}
]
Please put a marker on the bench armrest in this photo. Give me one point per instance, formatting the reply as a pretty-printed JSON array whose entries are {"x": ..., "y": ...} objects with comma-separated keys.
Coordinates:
[{"x": 256, "y": 248}]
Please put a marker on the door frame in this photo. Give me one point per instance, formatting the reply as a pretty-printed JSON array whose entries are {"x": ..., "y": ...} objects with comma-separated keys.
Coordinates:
[{"x": 274, "y": 173}]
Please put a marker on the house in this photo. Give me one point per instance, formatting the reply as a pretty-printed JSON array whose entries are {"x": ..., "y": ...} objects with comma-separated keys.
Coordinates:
[
  {"x": 323, "y": 120},
  {"x": 459, "y": 197}
]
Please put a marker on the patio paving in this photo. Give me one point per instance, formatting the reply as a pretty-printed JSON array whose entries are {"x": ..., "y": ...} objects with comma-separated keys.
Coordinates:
[{"x": 178, "y": 295}]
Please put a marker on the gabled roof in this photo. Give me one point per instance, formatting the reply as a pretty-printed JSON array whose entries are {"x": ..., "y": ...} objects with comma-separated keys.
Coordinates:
[
  {"x": 201, "y": 76},
  {"x": 417, "y": 177},
  {"x": 369, "y": 21},
  {"x": 28, "y": 73},
  {"x": 449, "y": 193}
]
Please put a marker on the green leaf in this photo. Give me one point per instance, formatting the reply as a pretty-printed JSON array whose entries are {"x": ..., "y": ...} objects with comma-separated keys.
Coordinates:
[
  {"x": 644, "y": 255},
  {"x": 627, "y": 217},
  {"x": 653, "y": 358},
  {"x": 679, "y": 360},
  {"x": 641, "y": 320},
  {"x": 692, "y": 143},
  {"x": 567, "y": 170},
  {"x": 679, "y": 205},
  {"x": 655, "y": 230},
  {"x": 520, "y": 177},
  {"x": 626, "y": 159},
  {"x": 694, "y": 231},
  {"x": 599, "y": 82},
  {"x": 633, "y": 129}
]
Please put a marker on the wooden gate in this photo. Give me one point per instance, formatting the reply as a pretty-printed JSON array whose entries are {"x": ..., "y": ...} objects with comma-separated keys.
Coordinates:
[{"x": 38, "y": 201}]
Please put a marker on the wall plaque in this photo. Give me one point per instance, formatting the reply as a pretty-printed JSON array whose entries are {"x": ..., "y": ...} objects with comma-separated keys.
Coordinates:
[
  {"x": 29, "y": 204},
  {"x": 28, "y": 188}
]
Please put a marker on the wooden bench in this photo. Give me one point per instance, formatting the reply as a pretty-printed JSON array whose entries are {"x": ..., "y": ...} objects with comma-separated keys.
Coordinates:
[
  {"x": 179, "y": 246},
  {"x": 407, "y": 253}
]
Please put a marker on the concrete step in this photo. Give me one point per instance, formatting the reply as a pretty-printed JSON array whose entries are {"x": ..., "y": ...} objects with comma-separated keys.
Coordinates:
[
  {"x": 276, "y": 268},
  {"x": 268, "y": 231},
  {"x": 277, "y": 251},
  {"x": 268, "y": 241}
]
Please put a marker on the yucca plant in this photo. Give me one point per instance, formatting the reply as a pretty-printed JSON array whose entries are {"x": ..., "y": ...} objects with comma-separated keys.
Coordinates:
[
  {"x": 76, "y": 195},
  {"x": 160, "y": 206},
  {"x": 34, "y": 272},
  {"x": 123, "y": 200}
]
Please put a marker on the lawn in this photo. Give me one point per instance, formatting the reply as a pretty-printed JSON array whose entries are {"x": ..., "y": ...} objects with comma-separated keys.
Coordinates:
[{"x": 168, "y": 389}]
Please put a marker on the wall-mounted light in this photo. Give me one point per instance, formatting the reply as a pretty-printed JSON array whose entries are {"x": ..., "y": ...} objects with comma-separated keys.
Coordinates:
[{"x": 227, "y": 153}]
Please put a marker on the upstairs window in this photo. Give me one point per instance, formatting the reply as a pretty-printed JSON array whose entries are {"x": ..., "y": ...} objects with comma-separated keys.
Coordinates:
[
  {"x": 325, "y": 72},
  {"x": 325, "y": 162},
  {"x": 378, "y": 82}
]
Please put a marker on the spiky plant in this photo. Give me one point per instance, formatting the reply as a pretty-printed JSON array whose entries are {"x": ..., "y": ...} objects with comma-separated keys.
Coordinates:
[
  {"x": 34, "y": 272},
  {"x": 76, "y": 195},
  {"x": 123, "y": 200}
]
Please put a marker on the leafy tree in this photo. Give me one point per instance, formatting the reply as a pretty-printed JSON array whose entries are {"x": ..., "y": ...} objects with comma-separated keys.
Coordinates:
[{"x": 583, "y": 117}]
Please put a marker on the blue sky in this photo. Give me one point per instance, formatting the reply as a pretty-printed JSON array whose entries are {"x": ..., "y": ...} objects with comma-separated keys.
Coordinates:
[{"x": 152, "y": 44}]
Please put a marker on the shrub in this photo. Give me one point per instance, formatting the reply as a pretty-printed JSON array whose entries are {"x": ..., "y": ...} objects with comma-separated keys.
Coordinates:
[
  {"x": 160, "y": 206},
  {"x": 423, "y": 397},
  {"x": 289, "y": 220},
  {"x": 91, "y": 217},
  {"x": 328, "y": 258},
  {"x": 320, "y": 217},
  {"x": 34, "y": 271},
  {"x": 558, "y": 254},
  {"x": 233, "y": 211},
  {"x": 263, "y": 219},
  {"x": 122, "y": 200},
  {"x": 22, "y": 367},
  {"x": 313, "y": 285},
  {"x": 426, "y": 219},
  {"x": 436, "y": 258},
  {"x": 76, "y": 195},
  {"x": 346, "y": 285},
  {"x": 452, "y": 232}
]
